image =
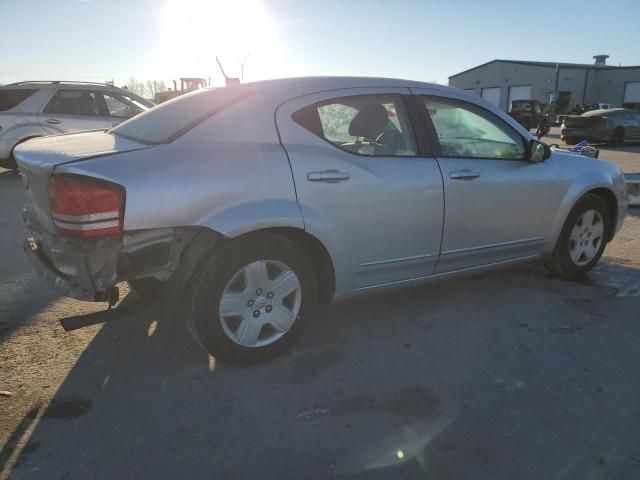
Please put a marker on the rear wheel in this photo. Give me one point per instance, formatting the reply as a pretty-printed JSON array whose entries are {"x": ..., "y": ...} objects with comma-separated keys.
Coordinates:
[
  {"x": 11, "y": 163},
  {"x": 252, "y": 300},
  {"x": 583, "y": 238},
  {"x": 571, "y": 140},
  {"x": 617, "y": 137}
]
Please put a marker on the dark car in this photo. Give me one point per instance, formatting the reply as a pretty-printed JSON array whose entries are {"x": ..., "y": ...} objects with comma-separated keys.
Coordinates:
[{"x": 614, "y": 126}]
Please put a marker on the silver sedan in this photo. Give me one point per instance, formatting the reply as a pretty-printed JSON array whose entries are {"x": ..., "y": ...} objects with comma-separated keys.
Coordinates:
[{"x": 251, "y": 206}]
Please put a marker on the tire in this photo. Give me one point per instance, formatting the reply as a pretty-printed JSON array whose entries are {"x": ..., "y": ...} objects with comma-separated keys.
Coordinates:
[
  {"x": 263, "y": 319},
  {"x": 9, "y": 163},
  {"x": 571, "y": 141},
  {"x": 617, "y": 137},
  {"x": 581, "y": 244},
  {"x": 147, "y": 288}
]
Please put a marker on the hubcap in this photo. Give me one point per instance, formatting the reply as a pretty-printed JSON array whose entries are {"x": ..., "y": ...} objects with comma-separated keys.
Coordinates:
[
  {"x": 586, "y": 237},
  {"x": 260, "y": 303}
]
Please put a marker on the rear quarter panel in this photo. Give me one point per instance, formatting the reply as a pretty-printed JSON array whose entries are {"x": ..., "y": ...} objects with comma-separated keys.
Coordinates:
[{"x": 229, "y": 174}]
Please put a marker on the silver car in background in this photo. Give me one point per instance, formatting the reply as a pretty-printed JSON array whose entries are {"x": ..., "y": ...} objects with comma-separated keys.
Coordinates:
[
  {"x": 35, "y": 109},
  {"x": 252, "y": 205}
]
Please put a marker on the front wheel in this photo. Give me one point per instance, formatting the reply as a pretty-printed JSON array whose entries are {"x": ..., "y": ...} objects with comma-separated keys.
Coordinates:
[
  {"x": 583, "y": 238},
  {"x": 251, "y": 300}
]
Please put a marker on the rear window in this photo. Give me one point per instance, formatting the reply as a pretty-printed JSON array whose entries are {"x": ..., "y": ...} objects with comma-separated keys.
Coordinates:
[
  {"x": 11, "y": 98},
  {"x": 169, "y": 120}
]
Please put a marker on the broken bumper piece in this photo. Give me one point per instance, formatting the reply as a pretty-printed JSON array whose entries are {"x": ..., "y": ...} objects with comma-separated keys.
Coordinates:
[
  {"x": 89, "y": 269},
  {"x": 60, "y": 282}
]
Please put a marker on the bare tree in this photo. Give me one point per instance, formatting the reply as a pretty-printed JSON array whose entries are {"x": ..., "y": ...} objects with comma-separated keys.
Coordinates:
[
  {"x": 135, "y": 86},
  {"x": 152, "y": 87}
]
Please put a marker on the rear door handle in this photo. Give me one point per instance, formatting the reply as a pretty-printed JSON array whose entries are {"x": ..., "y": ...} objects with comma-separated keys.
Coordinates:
[
  {"x": 464, "y": 174},
  {"x": 330, "y": 176},
  {"x": 53, "y": 121}
]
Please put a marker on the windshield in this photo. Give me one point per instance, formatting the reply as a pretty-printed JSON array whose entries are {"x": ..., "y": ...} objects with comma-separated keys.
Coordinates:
[
  {"x": 166, "y": 122},
  {"x": 520, "y": 106}
]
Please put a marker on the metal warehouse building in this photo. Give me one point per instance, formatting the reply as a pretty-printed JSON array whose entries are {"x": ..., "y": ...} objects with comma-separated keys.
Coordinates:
[{"x": 501, "y": 81}]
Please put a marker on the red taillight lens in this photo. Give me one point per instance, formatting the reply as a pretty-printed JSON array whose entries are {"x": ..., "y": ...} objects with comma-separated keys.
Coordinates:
[{"x": 85, "y": 206}]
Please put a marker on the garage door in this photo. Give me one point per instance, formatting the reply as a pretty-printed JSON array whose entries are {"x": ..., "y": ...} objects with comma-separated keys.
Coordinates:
[
  {"x": 521, "y": 92},
  {"x": 492, "y": 95},
  {"x": 632, "y": 92}
]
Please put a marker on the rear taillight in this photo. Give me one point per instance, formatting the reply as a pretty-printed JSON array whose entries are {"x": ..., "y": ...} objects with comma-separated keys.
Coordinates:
[{"x": 86, "y": 206}]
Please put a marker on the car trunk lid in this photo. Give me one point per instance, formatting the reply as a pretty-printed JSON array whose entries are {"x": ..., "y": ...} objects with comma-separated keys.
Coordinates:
[{"x": 38, "y": 158}]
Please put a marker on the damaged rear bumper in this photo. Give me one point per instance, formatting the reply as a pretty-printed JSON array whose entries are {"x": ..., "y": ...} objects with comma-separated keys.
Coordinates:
[{"x": 86, "y": 269}]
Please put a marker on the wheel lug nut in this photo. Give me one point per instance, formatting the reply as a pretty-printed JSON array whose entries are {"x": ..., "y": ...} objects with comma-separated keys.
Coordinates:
[
  {"x": 259, "y": 292},
  {"x": 249, "y": 303},
  {"x": 256, "y": 313},
  {"x": 270, "y": 295},
  {"x": 268, "y": 308}
]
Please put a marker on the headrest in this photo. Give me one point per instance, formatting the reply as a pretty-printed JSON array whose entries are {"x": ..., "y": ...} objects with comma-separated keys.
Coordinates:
[{"x": 369, "y": 122}]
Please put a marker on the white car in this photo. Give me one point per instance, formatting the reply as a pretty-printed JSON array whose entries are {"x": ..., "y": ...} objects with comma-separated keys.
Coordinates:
[{"x": 36, "y": 109}]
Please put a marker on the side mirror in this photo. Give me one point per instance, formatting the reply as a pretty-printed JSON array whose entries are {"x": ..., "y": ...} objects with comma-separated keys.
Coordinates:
[{"x": 538, "y": 151}]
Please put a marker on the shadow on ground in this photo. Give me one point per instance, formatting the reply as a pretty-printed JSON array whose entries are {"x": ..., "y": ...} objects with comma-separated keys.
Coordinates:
[{"x": 509, "y": 375}]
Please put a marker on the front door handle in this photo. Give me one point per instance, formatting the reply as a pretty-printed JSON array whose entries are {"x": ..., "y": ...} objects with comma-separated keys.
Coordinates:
[
  {"x": 330, "y": 176},
  {"x": 53, "y": 121},
  {"x": 464, "y": 174}
]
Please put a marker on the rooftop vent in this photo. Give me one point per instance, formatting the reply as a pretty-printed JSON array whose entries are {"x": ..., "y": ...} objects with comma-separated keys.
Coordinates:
[{"x": 601, "y": 60}]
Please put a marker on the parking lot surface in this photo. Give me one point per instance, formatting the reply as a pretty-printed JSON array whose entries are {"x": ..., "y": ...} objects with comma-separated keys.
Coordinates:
[{"x": 514, "y": 374}]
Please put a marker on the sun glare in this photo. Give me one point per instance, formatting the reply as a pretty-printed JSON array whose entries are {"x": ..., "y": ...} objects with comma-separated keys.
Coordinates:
[{"x": 196, "y": 31}]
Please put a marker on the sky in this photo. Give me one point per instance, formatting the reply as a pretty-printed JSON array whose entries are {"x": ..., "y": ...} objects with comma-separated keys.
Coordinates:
[{"x": 98, "y": 40}]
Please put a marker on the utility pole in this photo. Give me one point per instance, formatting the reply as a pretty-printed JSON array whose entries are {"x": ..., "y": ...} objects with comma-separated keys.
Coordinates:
[{"x": 242, "y": 62}]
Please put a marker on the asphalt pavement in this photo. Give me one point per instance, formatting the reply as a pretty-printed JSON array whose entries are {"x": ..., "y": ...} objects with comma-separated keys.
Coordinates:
[{"x": 510, "y": 375}]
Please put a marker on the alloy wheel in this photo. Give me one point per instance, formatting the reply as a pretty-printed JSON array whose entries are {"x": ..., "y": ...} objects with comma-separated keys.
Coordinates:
[
  {"x": 586, "y": 237},
  {"x": 260, "y": 303}
]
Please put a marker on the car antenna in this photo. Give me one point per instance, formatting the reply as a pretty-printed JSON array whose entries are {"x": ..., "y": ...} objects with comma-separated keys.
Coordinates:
[{"x": 228, "y": 81}]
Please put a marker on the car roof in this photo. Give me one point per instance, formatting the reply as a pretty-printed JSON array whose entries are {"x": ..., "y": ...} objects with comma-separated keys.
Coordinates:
[
  {"x": 298, "y": 86},
  {"x": 43, "y": 84},
  {"x": 597, "y": 113}
]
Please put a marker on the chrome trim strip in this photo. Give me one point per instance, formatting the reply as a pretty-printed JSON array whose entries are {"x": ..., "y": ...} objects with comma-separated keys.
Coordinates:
[
  {"x": 91, "y": 217},
  {"x": 444, "y": 274},
  {"x": 393, "y": 260},
  {"x": 86, "y": 226},
  {"x": 494, "y": 245}
]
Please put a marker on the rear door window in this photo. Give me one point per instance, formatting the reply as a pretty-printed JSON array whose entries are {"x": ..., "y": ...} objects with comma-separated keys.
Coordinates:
[
  {"x": 10, "y": 98},
  {"x": 74, "y": 102},
  {"x": 372, "y": 125}
]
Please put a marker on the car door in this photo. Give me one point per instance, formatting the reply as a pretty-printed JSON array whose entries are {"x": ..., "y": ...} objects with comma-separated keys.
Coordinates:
[
  {"x": 120, "y": 108},
  {"x": 631, "y": 125},
  {"x": 73, "y": 110},
  {"x": 364, "y": 189},
  {"x": 499, "y": 206}
]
